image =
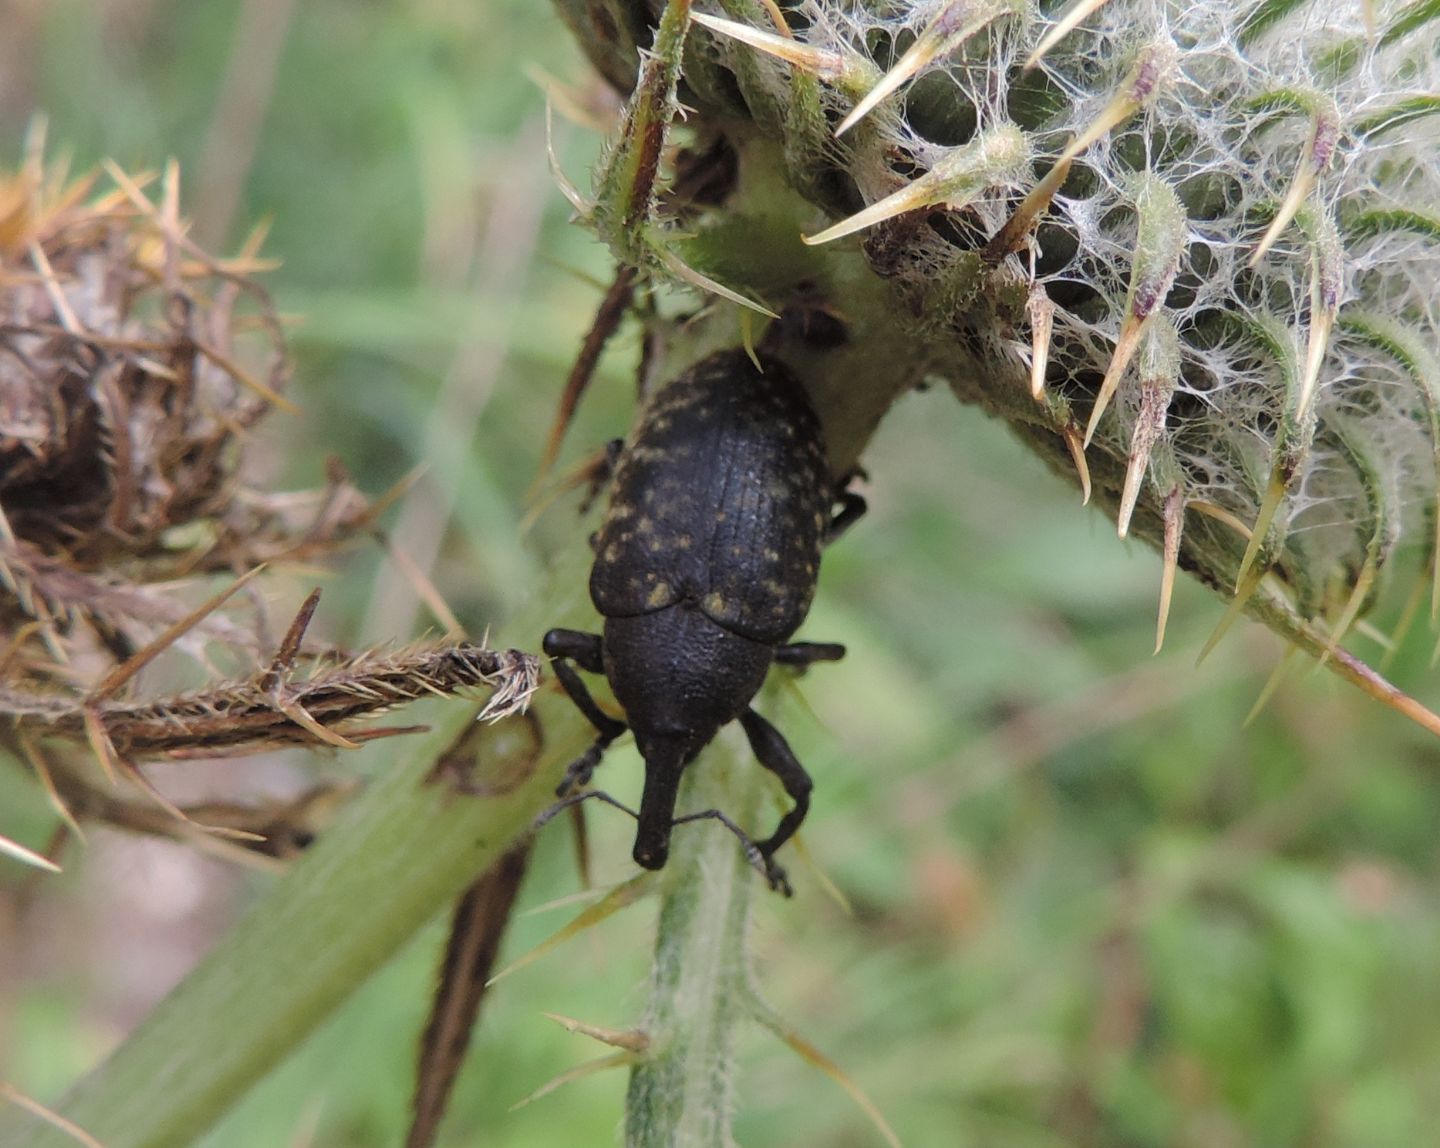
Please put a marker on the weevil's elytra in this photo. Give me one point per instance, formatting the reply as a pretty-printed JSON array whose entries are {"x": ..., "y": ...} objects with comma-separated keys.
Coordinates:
[{"x": 705, "y": 566}]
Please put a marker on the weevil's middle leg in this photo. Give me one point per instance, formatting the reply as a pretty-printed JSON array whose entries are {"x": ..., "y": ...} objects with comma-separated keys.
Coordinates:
[{"x": 587, "y": 652}]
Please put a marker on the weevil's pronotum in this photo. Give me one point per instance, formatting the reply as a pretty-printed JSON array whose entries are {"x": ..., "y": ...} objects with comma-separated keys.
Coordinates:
[{"x": 705, "y": 565}]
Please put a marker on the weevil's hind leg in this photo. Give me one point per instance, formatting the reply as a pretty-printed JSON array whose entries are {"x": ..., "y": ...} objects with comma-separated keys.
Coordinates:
[
  {"x": 775, "y": 754},
  {"x": 852, "y": 509},
  {"x": 587, "y": 652},
  {"x": 803, "y": 654}
]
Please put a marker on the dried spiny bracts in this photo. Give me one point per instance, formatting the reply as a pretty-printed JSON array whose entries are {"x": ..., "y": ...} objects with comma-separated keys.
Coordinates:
[
  {"x": 1204, "y": 235},
  {"x": 133, "y": 367}
]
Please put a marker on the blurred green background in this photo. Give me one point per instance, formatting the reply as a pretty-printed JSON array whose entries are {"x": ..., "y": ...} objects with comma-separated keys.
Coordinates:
[{"x": 1090, "y": 905}]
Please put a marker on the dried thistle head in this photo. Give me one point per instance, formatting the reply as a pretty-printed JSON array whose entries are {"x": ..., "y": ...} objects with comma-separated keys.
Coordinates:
[
  {"x": 133, "y": 367},
  {"x": 123, "y": 366}
]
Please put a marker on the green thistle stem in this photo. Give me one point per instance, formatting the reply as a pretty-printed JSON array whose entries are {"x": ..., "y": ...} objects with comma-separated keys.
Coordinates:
[{"x": 682, "y": 1092}]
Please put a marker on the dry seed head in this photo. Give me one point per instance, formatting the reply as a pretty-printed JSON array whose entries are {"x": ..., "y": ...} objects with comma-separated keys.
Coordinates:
[{"x": 133, "y": 366}]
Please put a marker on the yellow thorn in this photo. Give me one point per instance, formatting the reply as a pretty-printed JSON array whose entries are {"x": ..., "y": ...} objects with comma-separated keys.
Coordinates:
[
  {"x": 908, "y": 198},
  {"x": 1269, "y": 506},
  {"x": 579, "y": 1072},
  {"x": 1134, "y": 472},
  {"x": 1136, "y": 90},
  {"x": 1174, "y": 520},
  {"x": 832, "y": 890},
  {"x": 1130, "y": 332},
  {"x": 101, "y": 745},
  {"x": 1009, "y": 237},
  {"x": 682, "y": 270},
  {"x": 1363, "y": 582},
  {"x": 624, "y": 894},
  {"x": 1272, "y": 683},
  {"x": 1304, "y": 181},
  {"x": 630, "y": 1039},
  {"x": 49, "y": 1116},
  {"x": 777, "y": 18},
  {"x": 1062, "y": 28},
  {"x": 583, "y": 207},
  {"x": 1220, "y": 514},
  {"x": 1042, "y": 325},
  {"x": 826, "y": 64},
  {"x": 112, "y": 682},
  {"x": 938, "y": 38},
  {"x": 747, "y": 339},
  {"x": 1071, "y": 435},
  {"x": 1367, "y": 629},
  {"x": 1243, "y": 593},
  {"x": 26, "y": 856},
  {"x": 1321, "y": 323},
  {"x": 30, "y": 750},
  {"x": 957, "y": 179},
  {"x": 573, "y": 104},
  {"x": 813, "y": 1056}
]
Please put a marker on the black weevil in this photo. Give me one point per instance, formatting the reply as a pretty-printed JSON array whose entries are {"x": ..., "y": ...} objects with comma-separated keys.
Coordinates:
[{"x": 705, "y": 565}]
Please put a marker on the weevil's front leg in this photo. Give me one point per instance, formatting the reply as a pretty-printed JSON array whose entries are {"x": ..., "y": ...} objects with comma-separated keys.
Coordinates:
[
  {"x": 775, "y": 754},
  {"x": 587, "y": 652}
]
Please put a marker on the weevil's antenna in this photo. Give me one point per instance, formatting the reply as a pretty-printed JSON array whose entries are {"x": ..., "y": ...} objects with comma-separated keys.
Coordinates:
[{"x": 574, "y": 799}]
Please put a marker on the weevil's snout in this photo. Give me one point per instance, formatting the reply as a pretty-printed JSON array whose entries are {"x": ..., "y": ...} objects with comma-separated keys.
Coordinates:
[{"x": 665, "y": 760}]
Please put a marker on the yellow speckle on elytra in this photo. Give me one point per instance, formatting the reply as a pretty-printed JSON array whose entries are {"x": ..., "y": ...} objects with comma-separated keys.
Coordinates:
[
  {"x": 713, "y": 603},
  {"x": 659, "y": 595}
]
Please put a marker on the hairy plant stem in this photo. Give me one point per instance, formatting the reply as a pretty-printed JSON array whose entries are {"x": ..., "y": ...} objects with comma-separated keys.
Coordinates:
[{"x": 681, "y": 1092}]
